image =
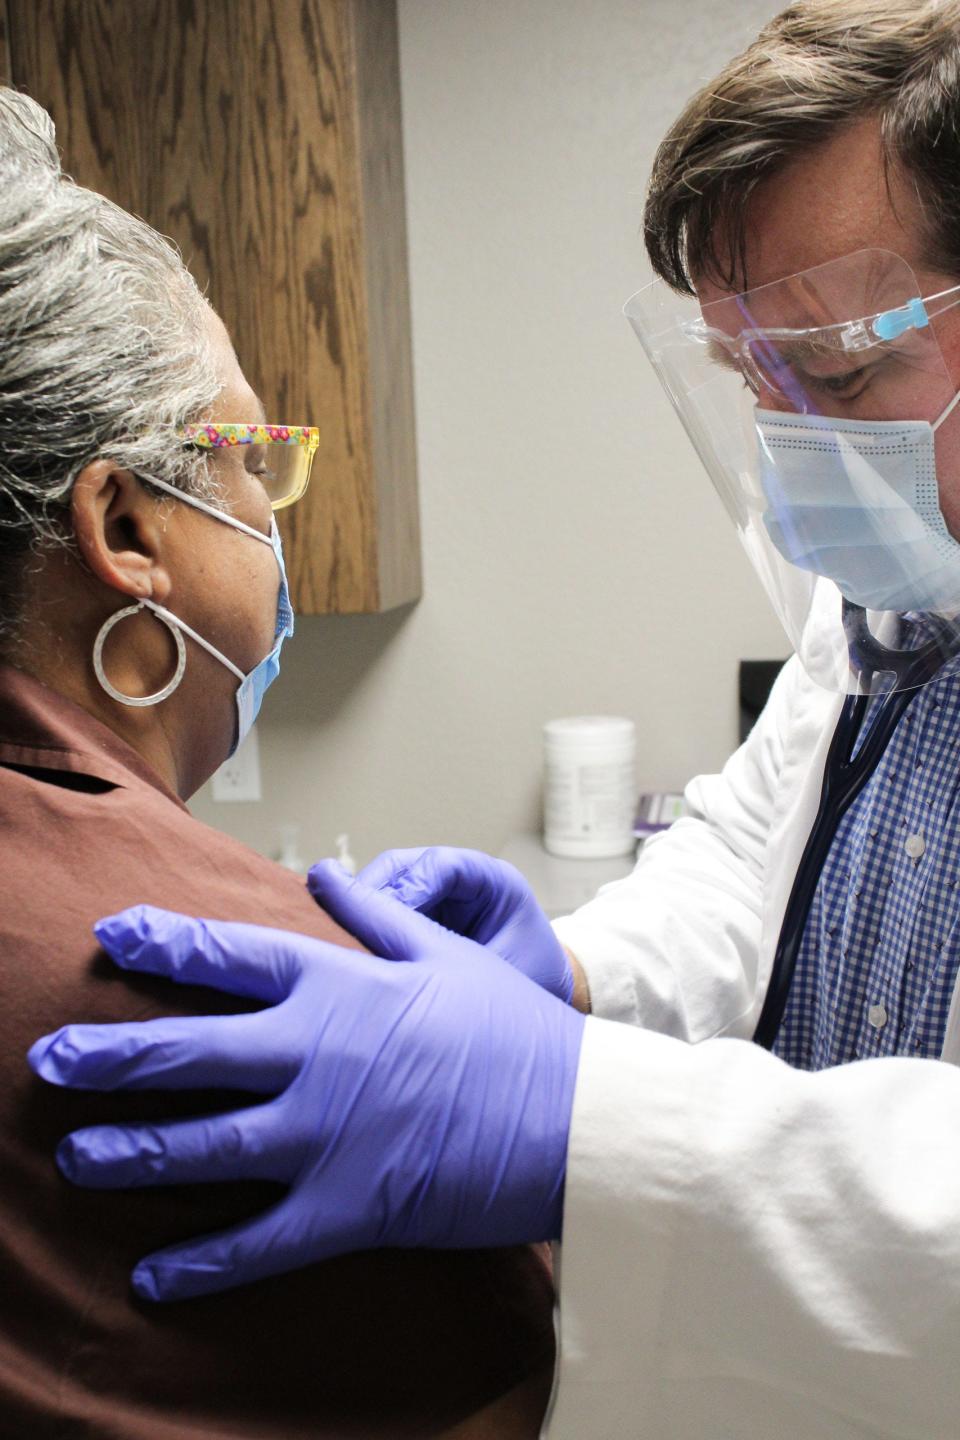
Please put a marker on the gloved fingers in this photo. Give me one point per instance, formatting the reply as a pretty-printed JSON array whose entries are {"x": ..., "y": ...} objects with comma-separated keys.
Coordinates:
[
  {"x": 466, "y": 891},
  {"x": 423, "y": 878},
  {"x": 270, "y": 1244},
  {"x": 423, "y": 881},
  {"x": 376, "y": 918},
  {"x": 389, "y": 870},
  {"x": 236, "y": 1146},
  {"x": 240, "y": 959},
  {"x": 241, "y": 1052}
]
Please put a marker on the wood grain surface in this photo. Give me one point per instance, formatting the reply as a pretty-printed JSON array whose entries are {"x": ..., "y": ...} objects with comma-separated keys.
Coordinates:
[
  {"x": 393, "y": 442},
  {"x": 264, "y": 137}
]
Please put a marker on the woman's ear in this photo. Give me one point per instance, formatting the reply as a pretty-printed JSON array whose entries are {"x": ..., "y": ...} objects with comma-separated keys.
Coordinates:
[{"x": 119, "y": 531}]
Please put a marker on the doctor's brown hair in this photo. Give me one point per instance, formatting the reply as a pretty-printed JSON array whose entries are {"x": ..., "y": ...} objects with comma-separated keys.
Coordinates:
[{"x": 817, "y": 67}]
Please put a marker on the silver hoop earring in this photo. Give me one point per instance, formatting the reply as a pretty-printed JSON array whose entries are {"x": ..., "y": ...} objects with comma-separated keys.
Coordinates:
[{"x": 111, "y": 690}]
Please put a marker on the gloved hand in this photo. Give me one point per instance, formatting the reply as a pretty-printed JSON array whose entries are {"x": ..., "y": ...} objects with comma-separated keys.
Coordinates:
[
  {"x": 419, "y": 1103},
  {"x": 465, "y": 890}
]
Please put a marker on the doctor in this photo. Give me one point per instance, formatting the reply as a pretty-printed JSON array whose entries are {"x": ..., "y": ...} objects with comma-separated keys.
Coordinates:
[{"x": 754, "y": 1244}]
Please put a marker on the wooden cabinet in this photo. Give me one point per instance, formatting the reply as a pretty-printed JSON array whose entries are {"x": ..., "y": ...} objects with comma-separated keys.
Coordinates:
[{"x": 264, "y": 137}]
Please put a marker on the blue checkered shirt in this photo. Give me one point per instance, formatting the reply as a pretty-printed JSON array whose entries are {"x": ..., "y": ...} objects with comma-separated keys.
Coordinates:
[{"x": 878, "y": 962}]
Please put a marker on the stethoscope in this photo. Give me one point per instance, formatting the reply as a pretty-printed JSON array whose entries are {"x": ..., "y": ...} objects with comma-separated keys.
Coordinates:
[{"x": 845, "y": 775}]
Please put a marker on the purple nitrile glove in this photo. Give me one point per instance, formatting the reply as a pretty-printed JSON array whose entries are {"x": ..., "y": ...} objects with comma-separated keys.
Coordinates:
[
  {"x": 419, "y": 1103},
  {"x": 484, "y": 899}
]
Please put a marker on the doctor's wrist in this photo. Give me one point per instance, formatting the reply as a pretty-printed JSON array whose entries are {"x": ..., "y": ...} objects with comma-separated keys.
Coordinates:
[{"x": 580, "y": 999}]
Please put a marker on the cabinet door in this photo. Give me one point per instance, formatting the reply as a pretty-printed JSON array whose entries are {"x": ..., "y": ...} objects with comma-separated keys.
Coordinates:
[{"x": 264, "y": 137}]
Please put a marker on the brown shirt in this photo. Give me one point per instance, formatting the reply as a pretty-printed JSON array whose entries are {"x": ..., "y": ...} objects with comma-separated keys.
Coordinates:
[{"x": 389, "y": 1344}]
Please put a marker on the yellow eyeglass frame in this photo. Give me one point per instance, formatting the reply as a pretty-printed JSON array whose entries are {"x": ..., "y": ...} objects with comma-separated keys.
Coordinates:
[{"x": 292, "y": 450}]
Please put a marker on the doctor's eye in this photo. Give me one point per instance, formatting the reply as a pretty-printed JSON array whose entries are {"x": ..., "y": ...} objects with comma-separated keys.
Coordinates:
[{"x": 846, "y": 386}]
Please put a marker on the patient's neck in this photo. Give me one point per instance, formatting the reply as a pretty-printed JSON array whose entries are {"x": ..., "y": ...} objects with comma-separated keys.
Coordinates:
[{"x": 185, "y": 737}]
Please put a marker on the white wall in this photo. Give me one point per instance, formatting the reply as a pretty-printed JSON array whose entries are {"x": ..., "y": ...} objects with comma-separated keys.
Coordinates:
[{"x": 576, "y": 558}]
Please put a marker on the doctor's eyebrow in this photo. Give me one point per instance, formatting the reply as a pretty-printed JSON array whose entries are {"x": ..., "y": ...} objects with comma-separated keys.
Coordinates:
[{"x": 794, "y": 353}]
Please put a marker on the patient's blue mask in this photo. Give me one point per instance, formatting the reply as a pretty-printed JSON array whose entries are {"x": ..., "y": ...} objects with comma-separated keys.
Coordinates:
[
  {"x": 857, "y": 501},
  {"x": 253, "y": 686}
]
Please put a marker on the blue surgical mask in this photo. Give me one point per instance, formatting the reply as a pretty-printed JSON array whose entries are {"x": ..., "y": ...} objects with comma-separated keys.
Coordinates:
[
  {"x": 857, "y": 501},
  {"x": 254, "y": 685}
]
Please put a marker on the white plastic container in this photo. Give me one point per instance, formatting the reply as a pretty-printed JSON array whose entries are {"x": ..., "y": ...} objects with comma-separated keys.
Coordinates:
[{"x": 590, "y": 789}]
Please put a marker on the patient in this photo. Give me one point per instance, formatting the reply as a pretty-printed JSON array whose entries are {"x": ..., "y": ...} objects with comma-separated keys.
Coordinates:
[{"x": 107, "y": 351}]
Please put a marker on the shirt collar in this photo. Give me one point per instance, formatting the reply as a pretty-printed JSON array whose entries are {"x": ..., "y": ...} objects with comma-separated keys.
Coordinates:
[{"x": 41, "y": 728}]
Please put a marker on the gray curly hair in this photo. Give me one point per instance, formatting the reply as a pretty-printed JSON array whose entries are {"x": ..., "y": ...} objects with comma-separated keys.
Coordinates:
[{"x": 103, "y": 350}]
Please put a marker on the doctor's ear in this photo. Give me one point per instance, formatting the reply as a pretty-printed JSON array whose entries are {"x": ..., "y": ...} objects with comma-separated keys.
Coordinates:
[{"x": 119, "y": 532}]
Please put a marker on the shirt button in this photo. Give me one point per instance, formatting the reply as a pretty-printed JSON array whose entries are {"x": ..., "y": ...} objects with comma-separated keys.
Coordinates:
[
  {"x": 914, "y": 846},
  {"x": 877, "y": 1015}
]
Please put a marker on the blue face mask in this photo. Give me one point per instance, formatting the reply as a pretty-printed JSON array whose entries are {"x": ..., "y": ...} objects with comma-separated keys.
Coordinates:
[
  {"x": 857, "y": 501},
  {"x": 254, "y": 685}
]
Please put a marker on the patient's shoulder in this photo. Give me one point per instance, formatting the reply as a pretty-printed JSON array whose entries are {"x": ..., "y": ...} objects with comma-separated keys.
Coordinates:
[
  {"x": 99, "y": 847},
  {"x": 386, "y": 1344}
]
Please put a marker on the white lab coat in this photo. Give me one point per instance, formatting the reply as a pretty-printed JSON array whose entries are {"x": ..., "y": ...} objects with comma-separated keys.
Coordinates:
[{"x": 750, "y": 1252}]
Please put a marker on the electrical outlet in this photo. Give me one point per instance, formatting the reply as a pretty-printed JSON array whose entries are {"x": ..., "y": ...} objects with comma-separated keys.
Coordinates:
[{"x": 239, "y": 777}]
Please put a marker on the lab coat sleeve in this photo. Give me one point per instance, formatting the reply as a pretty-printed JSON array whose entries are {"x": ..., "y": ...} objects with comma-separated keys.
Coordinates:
[
  {"x": 752, "y": 1251},
  {"x": 674, "y": 947}
]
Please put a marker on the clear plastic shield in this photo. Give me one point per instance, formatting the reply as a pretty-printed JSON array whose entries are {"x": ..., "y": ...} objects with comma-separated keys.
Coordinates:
[{"x": 813, "y": 403}]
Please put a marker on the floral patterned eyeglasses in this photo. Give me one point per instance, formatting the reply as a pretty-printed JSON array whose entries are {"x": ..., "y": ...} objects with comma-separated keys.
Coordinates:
[{"x": 283, "y": 457}]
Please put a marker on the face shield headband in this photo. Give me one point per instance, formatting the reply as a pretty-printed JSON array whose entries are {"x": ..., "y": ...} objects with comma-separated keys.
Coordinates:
[{"x": 820, "y": 406}]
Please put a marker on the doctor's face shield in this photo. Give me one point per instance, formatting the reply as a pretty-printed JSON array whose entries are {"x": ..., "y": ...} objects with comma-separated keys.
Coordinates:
[{"x": 823, "y": 411}]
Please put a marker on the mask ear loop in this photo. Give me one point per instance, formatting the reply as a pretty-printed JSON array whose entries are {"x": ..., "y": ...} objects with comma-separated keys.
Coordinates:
[
  {"x": 111, "y": 690},
  {"x": 948, "y": 411}
]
